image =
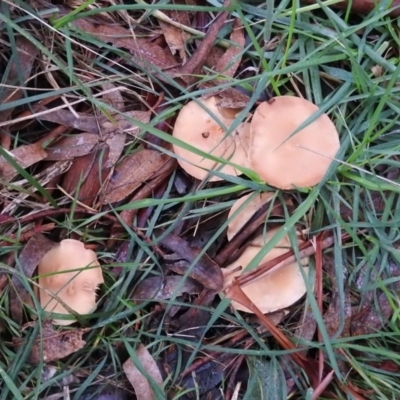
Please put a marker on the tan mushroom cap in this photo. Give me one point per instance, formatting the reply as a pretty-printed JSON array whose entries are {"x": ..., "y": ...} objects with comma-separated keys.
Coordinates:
[
  {"x": 302, "y": 160},
  {"x": 247, "y": 212},
  {"x": 77, "y": 289},
  {"x": 278, "y": 288},
  {"x": 196, "y": 127}
]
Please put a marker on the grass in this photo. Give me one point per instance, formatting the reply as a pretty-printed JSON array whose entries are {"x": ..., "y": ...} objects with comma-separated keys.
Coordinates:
[{"x": 347, "y": 64}]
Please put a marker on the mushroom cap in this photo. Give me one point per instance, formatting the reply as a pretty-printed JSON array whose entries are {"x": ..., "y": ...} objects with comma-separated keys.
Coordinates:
[
  {"x": 302, "y": 160},
  {"x": 247, "y": 212},
  {"x": 276, "y": 289},
  {"x": 76, "y": 288},
  {"x": 195, "y": 126}
]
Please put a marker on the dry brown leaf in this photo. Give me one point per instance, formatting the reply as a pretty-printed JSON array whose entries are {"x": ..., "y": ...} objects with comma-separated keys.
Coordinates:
[
  {"x": 225, "y": 65},
  {"x": 98, "y": 125},
  {"x": 362, "y": 6},
  {"x": 29, "y": 259},
  {"x": 162, "y": 288},
  {"x": 25, "y": 156},
  {"x": 132, "y": 172},
  {"x": 113, "y": 97},
  {"x": 116, "y": 144},
  {"x": 205, "y": 270},
  {"x": 53, "y": 344},
  {"x": 69, "y": 147},
  {"x": 19, "y": 71},
  {"x": 174, "y": 36},
  {"x": 139, "y": 382},
  {"x": 87, "y": 169},
  {"x": 145, "y": 52}
]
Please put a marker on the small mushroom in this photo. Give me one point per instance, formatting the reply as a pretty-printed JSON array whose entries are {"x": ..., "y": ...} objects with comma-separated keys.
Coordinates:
[
  {"x": 72, "y": 273},
  {"x": 196, "y": 127},
  {"x": 276, "y": 289},
  {"x": 299, "y": 161},
  {"x": 247, "y": 212}
]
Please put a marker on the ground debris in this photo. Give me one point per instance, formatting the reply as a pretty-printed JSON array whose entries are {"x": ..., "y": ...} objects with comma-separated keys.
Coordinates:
[
  {"x": 52, "y": 344},
  {"x": 139, "y": 381},
  {"x": 29, "y": 259},
  {"x": 69, "y": 147},
  {"x": 145, "y": 52},
  {"x": 205, "y": 270},
  {"x": 19, "y": 70},
  {"x": 134, "y": 170},
  {"x": 371, "y": 316},
  {"x": 175, "y": 37},
  {"x": 25, "y": 156},
  {"x": 158, "y": 288}
]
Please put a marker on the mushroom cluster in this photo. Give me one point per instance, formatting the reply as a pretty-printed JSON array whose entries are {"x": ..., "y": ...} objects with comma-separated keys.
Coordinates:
[
  {"x": 278, "y": 144},
  {"x": 71, "y": 273}
]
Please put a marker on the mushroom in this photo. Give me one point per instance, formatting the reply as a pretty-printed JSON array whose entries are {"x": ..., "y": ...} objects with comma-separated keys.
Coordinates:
[
  {"x": 72, "y": 273},
  {"x": 196, "y": 127},
  {"x": 286, "y": 161},
  {"x": 276, "y": 289},
  {"x": 247, "y": 212}
]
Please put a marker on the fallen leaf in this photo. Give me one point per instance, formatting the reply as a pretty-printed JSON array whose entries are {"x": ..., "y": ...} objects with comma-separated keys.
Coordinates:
[
  {"x": 174, "y": 36},
  {"x": 113, "y": 97},
  {"x": 225, "y": 66},
  {"x": 19, "y": 70},
  {"x": 53, "y": 345},
  {"x": 29, "y": 258},
  {"x": 86, "y": 172},
  {"x": 372, "y": 316},
  {"x": 116, "y": 144},
  {"x": 99, "y": 125},
  {"x": 159, "y": 288},
  {"x": 307, "y": 325},
  {"x": 144, "y": 51},
  {"x": 139, "y": 382},
  {"x": 25, "y": 156},
  {"x": 205, "y": 270},
  {"x": 132, "y": 172},
  {"x": 362, "y": 6},
  {"x": 69, "y": 147}
]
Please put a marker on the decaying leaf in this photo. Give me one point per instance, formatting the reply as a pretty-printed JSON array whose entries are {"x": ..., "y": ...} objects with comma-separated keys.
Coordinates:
[
  {"x": 19, "y": 71},
  {"x": 205, "y": 270},
  {"x": 29, "y": 259},
  {"x": 100, "y": 125},
  {"x": 230, "y": 61},
  {"x": 372, "y": 315},
  {"x": 139, "y": 382},
  {"x": 174, "y": 36},
  {"x": 132, "y": 172},
  {"x": 86, "y": 170},
  {"x": 52, "y": 344},
  {"x": 145, "y": 52},
  {"x": 158, "y": 288},
  {"x": 25, "y": 156},
  {"x": 69, "y": 147},
  {"x": 363, "y": 6},
  {"x": 43, "y": 177},
  {"x": 115, "y": 140}
]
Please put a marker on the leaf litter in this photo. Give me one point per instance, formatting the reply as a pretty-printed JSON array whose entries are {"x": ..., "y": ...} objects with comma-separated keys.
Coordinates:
[{"x": 123, "y": 193}]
